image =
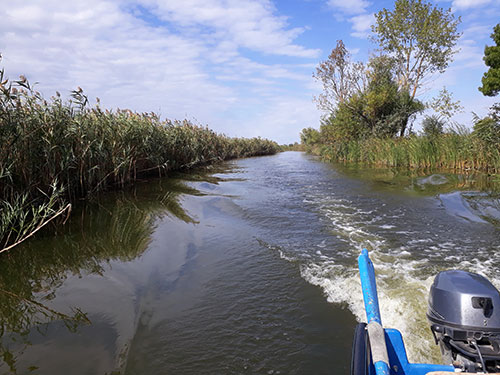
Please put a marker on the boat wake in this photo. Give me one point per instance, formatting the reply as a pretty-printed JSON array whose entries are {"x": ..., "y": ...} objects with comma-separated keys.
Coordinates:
[{"x": 406, "y": 260}]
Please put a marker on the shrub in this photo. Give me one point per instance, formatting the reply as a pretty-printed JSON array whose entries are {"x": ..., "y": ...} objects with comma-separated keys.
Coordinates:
[{"x": 432, "y": 126}]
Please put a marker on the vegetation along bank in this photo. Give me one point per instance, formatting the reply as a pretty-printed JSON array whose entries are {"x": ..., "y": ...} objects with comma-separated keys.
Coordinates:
[
  {"x": 54, "y": 152},
  {"x": 370, "y": 107}
]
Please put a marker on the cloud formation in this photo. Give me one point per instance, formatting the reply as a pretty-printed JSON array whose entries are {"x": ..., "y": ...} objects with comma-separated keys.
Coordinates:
[
  {"x": 349, "y": 7},
  {"x": 248, "y": 24},
  {"x": 465, "y": 4},
  {"x": 361, "y": 25},
  {"x": 232, "y": 64},
  {"x": 181, "y": 59},
  {"x": 360, "y": 19}
]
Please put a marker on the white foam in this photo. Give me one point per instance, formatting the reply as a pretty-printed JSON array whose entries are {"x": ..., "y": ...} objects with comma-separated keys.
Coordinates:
[
  {"x": 387, "y": 226},
  {"x": 404, "y": 274},
  {"x": 402, "y": 295}
]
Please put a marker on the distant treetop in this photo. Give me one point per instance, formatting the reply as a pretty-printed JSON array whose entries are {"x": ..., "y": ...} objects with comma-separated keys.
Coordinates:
[{"x": 491, "y": 79}]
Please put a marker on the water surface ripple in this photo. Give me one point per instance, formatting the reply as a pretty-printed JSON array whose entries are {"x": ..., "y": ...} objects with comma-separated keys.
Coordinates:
[{"x": 245, "y": 268}]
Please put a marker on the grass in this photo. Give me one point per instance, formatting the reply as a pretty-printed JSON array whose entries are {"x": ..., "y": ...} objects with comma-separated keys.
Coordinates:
[
  {"x": 456, "y": 150},
  {"x": 53, "y": 152}
]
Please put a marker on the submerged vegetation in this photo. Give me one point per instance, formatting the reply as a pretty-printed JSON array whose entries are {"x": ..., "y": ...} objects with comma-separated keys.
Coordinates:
[
  {"x": 370, "y": 107},
  {"x": 115, "y": 228},
  {"x": 54, "y": 152}
]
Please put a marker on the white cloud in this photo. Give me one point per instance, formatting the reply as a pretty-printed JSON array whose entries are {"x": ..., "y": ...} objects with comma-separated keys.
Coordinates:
[
  {"x": 109, "y": 53},
  {"x": 189, "y": 63},
  {"x": 349, "y": 6},
  {"x": 470, "y": 54},
  {"x": 477, "y": 32},
  {"x": 354, "y": 51},
  {"x": 247, "y": 23},
  {"x": 465, "y": 4},
  {"x": 361, "y": 25},
  {"x": 359, "y": 18}
]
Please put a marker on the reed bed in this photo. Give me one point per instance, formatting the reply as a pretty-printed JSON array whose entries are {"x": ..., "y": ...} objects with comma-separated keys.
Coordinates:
[
  {"x": 459, "y": 151},
  {"x": 53, "y": 152}
]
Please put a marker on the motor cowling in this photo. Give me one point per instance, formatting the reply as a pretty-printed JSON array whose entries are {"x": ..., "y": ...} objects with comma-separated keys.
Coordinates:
[{"x": 464, "y": 313}]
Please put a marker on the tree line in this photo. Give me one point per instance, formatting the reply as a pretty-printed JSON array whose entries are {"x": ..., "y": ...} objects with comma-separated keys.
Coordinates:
[{"x": 379, "y": 99}]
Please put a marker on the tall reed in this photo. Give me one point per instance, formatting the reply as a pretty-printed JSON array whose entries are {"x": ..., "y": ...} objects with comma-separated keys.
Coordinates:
[
  {"x": 53, "y": 151},
  {"x": 454, "y": 150}
]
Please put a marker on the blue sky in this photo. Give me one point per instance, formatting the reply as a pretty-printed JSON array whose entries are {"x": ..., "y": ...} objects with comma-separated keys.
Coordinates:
[{"x": 243, "y": 67}]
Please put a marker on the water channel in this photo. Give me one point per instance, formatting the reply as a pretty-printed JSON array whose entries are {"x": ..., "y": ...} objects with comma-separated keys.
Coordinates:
[{"x": 248, "y": 267}]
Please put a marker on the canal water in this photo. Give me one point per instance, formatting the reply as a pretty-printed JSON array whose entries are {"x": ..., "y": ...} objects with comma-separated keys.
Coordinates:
[{"x": 248, "y": 267}]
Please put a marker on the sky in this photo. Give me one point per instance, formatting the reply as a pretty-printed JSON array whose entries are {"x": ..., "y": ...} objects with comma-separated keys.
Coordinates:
[{"x": 242, "y": 67}]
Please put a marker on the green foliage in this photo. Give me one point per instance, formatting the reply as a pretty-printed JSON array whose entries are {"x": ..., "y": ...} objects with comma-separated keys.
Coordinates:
[
  {"x": 421, "y": 39},
  {"x": 309, "y": 136},
  {"x": 380, "y": 109},
  {"x": 487, "y": 129},
  {"x": 381, "y": 95},
  {"x": 419, "y": 36},
  {"x": 453, "y": 150},
  {"x": 432, "y": 126},
  {"x": 86, "y": 150},
  {"x": 293, "y": 147},
  {"x": 444, "y": 105},
  {"x": 347, "y": 122},
  {"x": 491, "y": 79},
  {"x": 378, "y": 99}
]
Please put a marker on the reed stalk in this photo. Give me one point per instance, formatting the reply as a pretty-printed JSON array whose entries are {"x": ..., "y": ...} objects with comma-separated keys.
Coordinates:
[
  {"x": 460, "y": 152},
  {"x": 53, "y": 152}
]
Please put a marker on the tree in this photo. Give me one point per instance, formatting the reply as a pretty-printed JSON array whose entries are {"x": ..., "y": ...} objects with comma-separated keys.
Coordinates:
[
  {"x": 421, "y": 39},
  {"x": 340, "y": 77},
  {"x": 309, "y": 136},
  {"x": 365, "y": 103},
  {"x": 487, "y": 129},
  {"x": 445, "y": 106},
  {"x": 432, "y": 126},
  {"x": 345, "y": 123},
  {"x": 491, "y": 79}
]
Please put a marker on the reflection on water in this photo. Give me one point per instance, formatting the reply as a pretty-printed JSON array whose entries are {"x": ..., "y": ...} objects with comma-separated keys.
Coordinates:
[
  {"x": 474, "y": 196},
  {"x": 421, "y": 182},
  {"x": 116, "y": 227},
  {"x": 226, "y": 270}
]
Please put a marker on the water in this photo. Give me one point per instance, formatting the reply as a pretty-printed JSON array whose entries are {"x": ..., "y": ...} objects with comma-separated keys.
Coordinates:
[{"x": 245, "y": 268}]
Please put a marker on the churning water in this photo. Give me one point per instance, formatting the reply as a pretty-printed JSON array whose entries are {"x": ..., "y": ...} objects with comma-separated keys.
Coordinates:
[{"x": 246, "y": 268}]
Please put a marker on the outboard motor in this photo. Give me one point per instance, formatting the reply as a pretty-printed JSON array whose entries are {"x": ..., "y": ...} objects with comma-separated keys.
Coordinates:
[{"x": 464, "y": 312}]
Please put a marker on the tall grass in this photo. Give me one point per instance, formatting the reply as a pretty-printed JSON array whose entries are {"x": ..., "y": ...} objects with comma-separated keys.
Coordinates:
[
  {"x": 53, "y": 151},
  {"x": 456, "y": 150}
]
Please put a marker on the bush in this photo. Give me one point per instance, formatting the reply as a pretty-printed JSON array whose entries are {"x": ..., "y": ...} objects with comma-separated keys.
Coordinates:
[
  {"x": 487, "y": 130},
  {"x": 432, "y": 126}
]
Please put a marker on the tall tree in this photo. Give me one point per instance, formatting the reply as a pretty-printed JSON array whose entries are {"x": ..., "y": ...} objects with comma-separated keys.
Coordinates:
[
  {"x": 375, "y": 108},
  {"x": 341, "y": 78},
  {"x": 421, "y": 38},
  {"x": 491, "y": 79}
]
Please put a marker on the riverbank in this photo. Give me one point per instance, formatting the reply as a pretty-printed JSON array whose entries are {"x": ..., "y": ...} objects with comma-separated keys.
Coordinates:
[
  {"x": 53, "y": 153},
  {"x": 453, "y": 151}
]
